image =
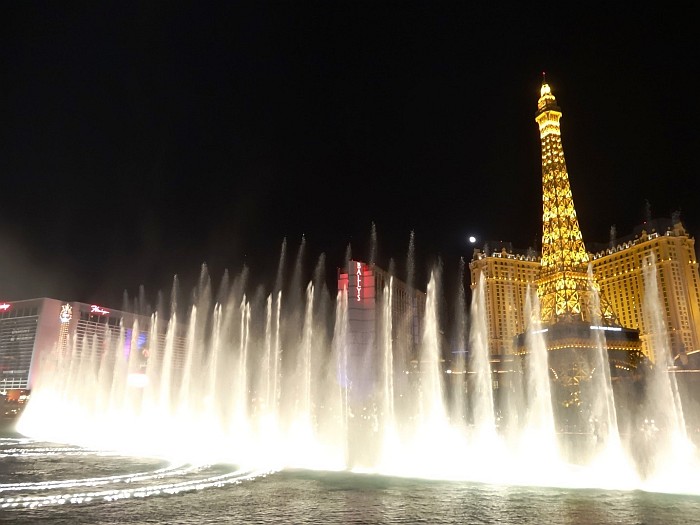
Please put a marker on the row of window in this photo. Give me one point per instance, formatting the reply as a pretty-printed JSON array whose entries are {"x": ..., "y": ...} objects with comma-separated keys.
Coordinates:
[{"x": 27, "y": 311}]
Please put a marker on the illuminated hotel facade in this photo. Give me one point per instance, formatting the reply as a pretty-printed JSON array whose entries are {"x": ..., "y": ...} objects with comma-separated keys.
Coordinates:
[
  {"x": 671, "y": 250},
  {"x": 620, "y": 274},
  {"x": 31, "y": 330},
  {"x": 28, "y": 330},
  {"x": 559, "y": 272},
  {"x": 508, "y": 274},
  {"x": 375, "y": 298}
]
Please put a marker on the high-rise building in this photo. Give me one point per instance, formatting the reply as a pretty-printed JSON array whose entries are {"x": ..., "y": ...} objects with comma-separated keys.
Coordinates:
[
  {"x": 370, "y": 291},
  {"x": 619, "y": 271},
  {"x": 30, "y": 330},
  {"x": 384, "y": 327},
  {"x": 508, "y": 274},
  {"x": 666, "y": 246},
  {"x": 560, "y": 272}
]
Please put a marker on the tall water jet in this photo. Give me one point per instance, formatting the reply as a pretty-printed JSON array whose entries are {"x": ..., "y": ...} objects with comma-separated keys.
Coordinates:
[
  {"x": 273, "y": 336},
  {"x": 210, "y": 415},
  {"x": 240, "y": 427},
  {"x": 153, "y": 369},
  {"x": 458, "y": 372},
  {"x": 603, "y": 412},
  {"x": 609, "y": 454},
  {"x": 431, "y": 384},
  {"x": 339, "y": 372},
  {"x": 276, "y": 358},
  {"x": 120, "y": 370},
  {"x": 405, "y": 355},
  {"x": 481, "y": 389},
  {"x": 266, "y": 365},
  {"x": 388, "y": 355},
  {"x": 167, "y": 372},
  {"x": 305, "y": 365},
  {"x": 431, "y": 421},
  {"x": 538, "y": 435},
  {"x": 190, "y": 366},
  {"x": 167, "y": 375},
  {"x": 104, "y": 372},
  {"x": 390, "y": 439},
  {"x": 666, "y": 441}
]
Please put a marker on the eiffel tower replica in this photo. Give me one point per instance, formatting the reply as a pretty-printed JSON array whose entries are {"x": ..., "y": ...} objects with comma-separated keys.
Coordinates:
[{"x": 574, "y": 317}]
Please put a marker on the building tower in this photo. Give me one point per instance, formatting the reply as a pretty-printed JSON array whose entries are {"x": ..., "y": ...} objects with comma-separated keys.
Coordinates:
[
  {"x": 563, "y": 286},
  {"x": 576, "y": 319},
  {"x": 581, "y": 314}
]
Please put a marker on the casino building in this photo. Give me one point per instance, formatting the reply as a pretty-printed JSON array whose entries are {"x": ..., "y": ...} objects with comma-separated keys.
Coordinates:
[
  {"x": 559, "y": 271},
  {"x": 619, "y": 272},
  {"x": 619, "y": 268},
  {"x": 376, "y": 298},
  {"x": 30, "y": 330}
]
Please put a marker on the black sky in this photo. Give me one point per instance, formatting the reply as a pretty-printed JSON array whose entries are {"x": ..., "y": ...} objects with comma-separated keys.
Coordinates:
[{"x": 139, "y": 140}]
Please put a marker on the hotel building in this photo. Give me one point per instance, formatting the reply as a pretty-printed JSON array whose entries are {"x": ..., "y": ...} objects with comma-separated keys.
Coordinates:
[
  {"x": 30, "y": 330},
  {"x": 559, "y": 272},
  {"x": 620, "y": 274},
  {"x": 375, "y": 298},
  {"x": 508, "y": 274},
  {"x": 667, "y": 246}
]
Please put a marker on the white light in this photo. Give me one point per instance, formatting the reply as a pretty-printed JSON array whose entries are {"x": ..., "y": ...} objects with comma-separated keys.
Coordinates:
[
  {"x": 137, "y": 380},
  {"x": 94, "y": 309},
  {"x": 608, "y": 328},
  {"x": 66, "y": 313},
  {"x": 472, "y": 239}
]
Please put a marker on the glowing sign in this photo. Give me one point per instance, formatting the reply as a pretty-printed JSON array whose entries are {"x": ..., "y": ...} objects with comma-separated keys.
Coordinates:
[
  {"x": 66, "y": 313},
  {"x": 608, "y": 328},
  {"x": 5, "y": 306},
  {"x": 359, "y": 280},
  {"x": 94, "y": 309}
]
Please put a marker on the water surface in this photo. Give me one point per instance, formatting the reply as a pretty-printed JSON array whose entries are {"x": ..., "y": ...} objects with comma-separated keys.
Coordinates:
[{"x": 292, "y": 496}]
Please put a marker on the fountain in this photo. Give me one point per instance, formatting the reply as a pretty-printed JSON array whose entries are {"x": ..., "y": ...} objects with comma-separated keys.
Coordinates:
[{"x": 277, "y": 381}]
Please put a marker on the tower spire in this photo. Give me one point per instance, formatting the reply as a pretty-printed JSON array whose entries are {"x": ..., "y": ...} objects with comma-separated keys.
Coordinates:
[{"x": 563, "y": 284}]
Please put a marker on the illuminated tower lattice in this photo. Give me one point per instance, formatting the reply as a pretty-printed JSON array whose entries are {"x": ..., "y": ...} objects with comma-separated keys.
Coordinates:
[{"x": 563, "y": 285}]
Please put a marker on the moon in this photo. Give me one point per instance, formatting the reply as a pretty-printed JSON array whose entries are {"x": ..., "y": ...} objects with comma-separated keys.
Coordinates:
[{"x": 472, "y": 239}]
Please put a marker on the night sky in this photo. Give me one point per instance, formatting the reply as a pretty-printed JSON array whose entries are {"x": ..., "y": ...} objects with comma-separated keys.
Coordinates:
[{"x": 140, "y": 140}]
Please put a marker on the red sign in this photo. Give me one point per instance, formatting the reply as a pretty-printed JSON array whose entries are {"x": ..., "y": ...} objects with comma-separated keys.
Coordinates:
[{"x": 5, "y": 306}]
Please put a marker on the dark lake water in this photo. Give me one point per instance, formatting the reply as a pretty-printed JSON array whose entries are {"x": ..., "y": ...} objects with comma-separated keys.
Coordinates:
[{"x": 51, "y": 483}]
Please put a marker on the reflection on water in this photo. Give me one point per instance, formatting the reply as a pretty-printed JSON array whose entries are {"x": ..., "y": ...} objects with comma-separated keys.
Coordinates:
[{"x": 149, "y": 490}]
